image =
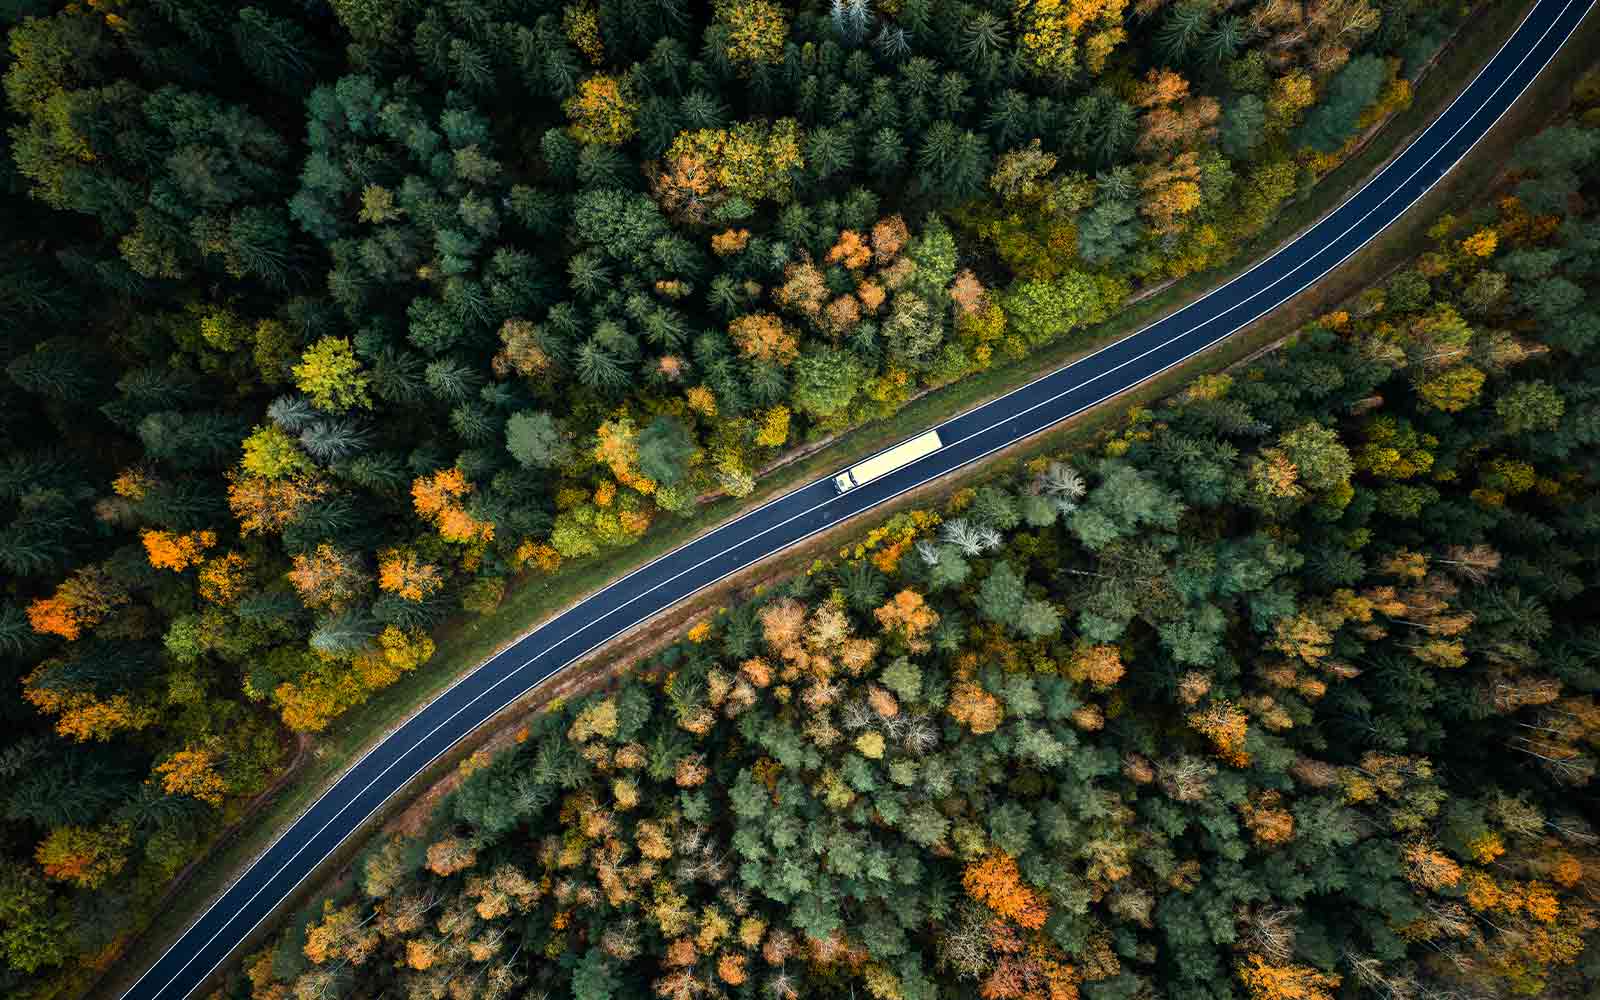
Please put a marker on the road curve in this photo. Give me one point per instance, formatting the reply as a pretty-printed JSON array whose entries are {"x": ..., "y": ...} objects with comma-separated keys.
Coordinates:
[{"x": 782, "y": 522}]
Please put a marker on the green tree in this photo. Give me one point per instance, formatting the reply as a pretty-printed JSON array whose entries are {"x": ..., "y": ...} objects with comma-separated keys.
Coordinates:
[
  {"x": 1244, "y": 125},
  {"x": 1002, "y": 594},
  {"x": 1038, "y": 619},
  {"x": 826, "y": 379},
  {"x": 1352, "y": 90},
  {"x": 1530, "y": 406},
  {"x": 1323, "y": 461},
  {"x": 537, "y": 440},
  {"x": 1043, "y": 311},
  {"x": 665, "y": 448},
  {"x": 34, "y": 927}
]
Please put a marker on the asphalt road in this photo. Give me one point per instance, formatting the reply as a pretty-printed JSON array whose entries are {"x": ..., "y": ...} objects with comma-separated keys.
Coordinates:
[{"x": 792, "y": 517}]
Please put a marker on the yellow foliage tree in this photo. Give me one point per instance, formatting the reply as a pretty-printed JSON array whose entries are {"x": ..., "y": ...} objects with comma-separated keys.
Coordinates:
[
  {"x": 398, "y": 651},
  {"x": 1052, "y": 33},
  {"x": 617, "y": 447},
  {"x": 754, "y": 160},
  {"x": 581, "y": 22},
  {"x": 755, "y": 31},
  {"x": 192, "y": 771},
  {"x": 1171, "y": 192},
  {"x": 82, "y": 715},
  {"x": 225, "y": 578},
  {"x": 602, "y": 111},
  {"x": 83, "y": 856},
  {"x": 331, "y": 375},
  {"x": 1266, "y": 981},
  {"x": 1226, "y": 726},
  {"x": 1291, "y": 94},
  {"x": 1481, "y": 243},
  {"x": 774, "y": 428}
]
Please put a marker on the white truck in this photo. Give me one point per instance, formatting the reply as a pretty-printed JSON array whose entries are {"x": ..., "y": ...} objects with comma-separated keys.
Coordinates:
[{"x": 883, "y": 463}]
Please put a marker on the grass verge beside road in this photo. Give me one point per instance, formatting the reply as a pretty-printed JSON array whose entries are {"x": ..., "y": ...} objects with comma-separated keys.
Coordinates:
[{"x": 464, "y": 645}]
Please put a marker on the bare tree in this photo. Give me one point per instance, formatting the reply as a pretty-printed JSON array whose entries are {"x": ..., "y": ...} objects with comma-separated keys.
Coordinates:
[
  {"x": 1370, "y": 973},
  {"x": 919, "y": 735},
  {"x": 1186, "y": 778},
  {"x": 1269, "y": 930},
  {"x": 1064, "y": 483},
  {"x": 963, "y": 535},
  {"x": 1474, "y": 563}
]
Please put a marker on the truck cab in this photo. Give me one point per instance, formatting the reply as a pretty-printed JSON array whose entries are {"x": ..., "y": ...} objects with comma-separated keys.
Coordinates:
[{"x": 843, "y": 482}]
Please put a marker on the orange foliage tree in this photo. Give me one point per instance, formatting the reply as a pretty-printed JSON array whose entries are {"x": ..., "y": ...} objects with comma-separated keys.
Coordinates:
[
  {"x": 974, "y": 707},
  {"x": 852, "y": 251},
  {"x": 1269, "y": 820},
  {"x": 402, "y": 572},
  {"x": 341, "y": 934},
  {"x": 1098, "y": 665},
  {"x": 225, "y": 578},
  {"x": 1266, "y": 981},
  {"x": 437, "y": 499},
  {"x": 994, "y": 881},
  {"x": 177, "y": 552},
  {"x": 327, "y": 577},
  {"x": 267, "y": 505},
  {"x": 1226, "y": 726},
  {"x": 451, "y": 855},
  {"x": 82, "y": 601},
  {"x": 908, "y": 616},
  {"x": 763, "y": 337},
  {"x": 192, "y": 771},
  {"x": 82, "y": 715},
  {"x": 1031, "y": 969}
]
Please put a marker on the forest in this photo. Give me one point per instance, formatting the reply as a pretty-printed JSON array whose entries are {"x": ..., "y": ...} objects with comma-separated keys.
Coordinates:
[
  {"x": 324, "y": 322},
  {"x": 1281, "y": 689}
]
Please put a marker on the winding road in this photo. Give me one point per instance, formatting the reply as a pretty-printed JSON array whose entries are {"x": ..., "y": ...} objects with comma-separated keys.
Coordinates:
[{"x": 782, "y": 522}]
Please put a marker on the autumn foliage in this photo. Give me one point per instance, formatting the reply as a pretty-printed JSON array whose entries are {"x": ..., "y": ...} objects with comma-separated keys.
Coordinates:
[
  {"x": 438, "y": 498},
  {"x": 995, "y": 882},
  {"x": 176, "y": 552},
  {"x": 81, "y": 601}
]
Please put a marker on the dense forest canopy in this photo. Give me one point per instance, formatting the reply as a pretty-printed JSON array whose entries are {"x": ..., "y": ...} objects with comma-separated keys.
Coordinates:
[
  {"x": 1282, "y": 690},
  {"x": 322, "y": 322}
]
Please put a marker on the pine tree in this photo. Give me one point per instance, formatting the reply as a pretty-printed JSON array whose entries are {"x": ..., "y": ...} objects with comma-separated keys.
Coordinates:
[
  {"x": 1187, "y": 23},
  {"x": 276, "y": 50},
  {"x": 330, "y": 441}
]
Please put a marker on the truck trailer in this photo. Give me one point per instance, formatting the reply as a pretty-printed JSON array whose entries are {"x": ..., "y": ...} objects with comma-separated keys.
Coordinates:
[{"x": 885, "y": 462}]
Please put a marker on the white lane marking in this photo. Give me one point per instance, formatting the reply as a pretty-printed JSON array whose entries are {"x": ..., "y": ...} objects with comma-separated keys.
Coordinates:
[{"x": 913, "y": 486}]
